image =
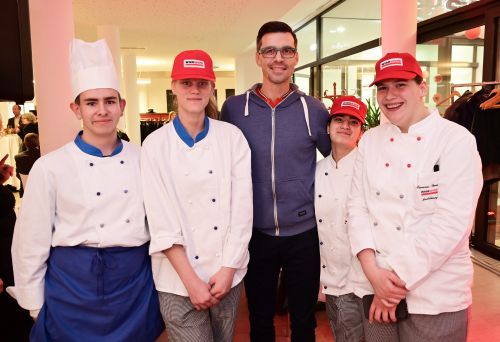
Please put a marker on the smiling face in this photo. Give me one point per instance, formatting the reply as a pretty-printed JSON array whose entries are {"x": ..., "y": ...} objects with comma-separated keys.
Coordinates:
[
  {"x": 277, "y": 70},
  {"x": 345, "y": 131},
  {"x": 192, "y": 95},
  {"x": 100, "y": 110},
  {"x": 401, "y": 101}
]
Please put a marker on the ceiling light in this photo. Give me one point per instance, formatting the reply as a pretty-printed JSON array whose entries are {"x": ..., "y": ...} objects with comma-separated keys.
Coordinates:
[
  {"x": 341, "y": 29},
  {"x": 141, "y": 61},
  {"x": 313, "y": 47},
  {"x": 143, "y": 81}
]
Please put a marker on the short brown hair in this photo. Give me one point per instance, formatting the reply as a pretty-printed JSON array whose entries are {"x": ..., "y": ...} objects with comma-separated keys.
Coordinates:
[
  {"x": 272, "y": 27},
  {"x": 31, "y": 141}
]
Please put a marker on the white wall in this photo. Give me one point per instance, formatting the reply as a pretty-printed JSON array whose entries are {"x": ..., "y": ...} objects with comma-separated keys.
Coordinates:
[{"x": 247, "y": 71}]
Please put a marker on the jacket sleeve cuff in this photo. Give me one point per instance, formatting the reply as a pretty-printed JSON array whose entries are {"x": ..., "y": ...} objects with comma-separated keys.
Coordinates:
[
  {"x": 161, "y": 243},
  {"x": 235, "y": 257},
  {"x": 29, "y": 298}
]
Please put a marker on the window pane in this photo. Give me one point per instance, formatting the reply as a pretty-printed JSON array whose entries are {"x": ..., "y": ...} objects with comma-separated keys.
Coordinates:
[
  {"x": 302, "y": 79},
  {"x": 456, "y": 59},
  {"x": 427, "y": 9},
  {"x": 493, "y": 232},
  {"x": 351, "y": 23},
  {"x": 352, "y": 75},
  {"x": 306, "y": 41}
]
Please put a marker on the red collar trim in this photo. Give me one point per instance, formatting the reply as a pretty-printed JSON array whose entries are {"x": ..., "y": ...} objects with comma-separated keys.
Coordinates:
[{"x": 272, "y": 103}]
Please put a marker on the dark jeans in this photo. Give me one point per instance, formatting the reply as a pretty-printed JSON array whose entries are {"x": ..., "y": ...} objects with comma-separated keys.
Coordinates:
[{"x": 298, "y": 258}]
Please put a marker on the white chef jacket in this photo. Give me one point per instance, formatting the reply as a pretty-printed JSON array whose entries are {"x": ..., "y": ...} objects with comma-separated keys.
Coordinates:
[
  {"x": 73, "y": 199},
  {"x": 199, "y": 197},
  {"x": 332, "y": 185},
  {"x": 413, "y": 201}
]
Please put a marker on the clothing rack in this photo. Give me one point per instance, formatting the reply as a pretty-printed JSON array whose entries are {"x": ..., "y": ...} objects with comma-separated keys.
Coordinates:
[{"x": 474, "y": 84}]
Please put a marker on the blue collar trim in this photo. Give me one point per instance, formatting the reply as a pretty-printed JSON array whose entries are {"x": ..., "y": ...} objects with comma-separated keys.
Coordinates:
[
  {"x": 181, "y": 132},
  {"x": 92, "y": 150}
]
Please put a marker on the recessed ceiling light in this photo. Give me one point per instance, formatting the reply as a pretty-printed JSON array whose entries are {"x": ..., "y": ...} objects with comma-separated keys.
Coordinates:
[
  {"x": 313, "y": 47},
  {"x": 341, "y": 29},
  {"x": 143, "y": 81}
]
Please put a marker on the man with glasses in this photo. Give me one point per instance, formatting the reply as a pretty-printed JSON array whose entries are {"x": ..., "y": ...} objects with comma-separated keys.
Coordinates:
[{"x": 283, "y": 127}]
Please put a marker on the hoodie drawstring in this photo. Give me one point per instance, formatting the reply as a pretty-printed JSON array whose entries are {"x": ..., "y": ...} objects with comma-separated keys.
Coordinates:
[
  {"x": 306, "y": 114},
  {"x": 304, "y": 105},
  {"x": 246, "y": 103}
]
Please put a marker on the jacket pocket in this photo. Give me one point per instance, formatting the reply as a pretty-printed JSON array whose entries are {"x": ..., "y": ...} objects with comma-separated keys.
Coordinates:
[
  {"x": 295, "y": 203},
  {"x": 427, "y": 192}
]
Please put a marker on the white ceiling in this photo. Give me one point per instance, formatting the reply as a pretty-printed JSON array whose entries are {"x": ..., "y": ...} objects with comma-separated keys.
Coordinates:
[{"x": 159, "y": 29}]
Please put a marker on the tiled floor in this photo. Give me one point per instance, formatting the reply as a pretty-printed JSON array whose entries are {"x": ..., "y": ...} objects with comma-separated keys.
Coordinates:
[{"x": 483, "y": 327}]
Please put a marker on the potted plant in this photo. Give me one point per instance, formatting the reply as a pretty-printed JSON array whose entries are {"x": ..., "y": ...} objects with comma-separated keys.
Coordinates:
[{"x": 372, "y": 114}]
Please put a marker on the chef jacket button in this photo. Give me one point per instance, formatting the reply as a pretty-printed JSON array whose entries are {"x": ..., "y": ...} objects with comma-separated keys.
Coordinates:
[
  {"x": 386, "y": 164},
  {"x": 324, "y": 266},
  {"x": 101, "y": 225},
  {"x": 401, "y": 196},
  {"x": 408, "y": 165},
  {"x": 377, "y": 193},
  {"x": 215, "y": 228},
  {"x": 122, "y": 162},
  {"x": 325, "y": 287},
  {"x": 213, "y": 200},
  {"x": 398, "y": 228},
  {"x": 127, "y": 221},
  {"x": 326, "y": 173},
  {"x": 210, "y": 171},
  {"x": 345, "y": 222},
  {"x": 321, "y": 243},
  {"x": 419, "y": 138},
  {"x": 98, "y": 193},
  {"x": 375, "y": 223},
  {"x": 196, "y": 257},
  {"x": 391, "y": 139},
  {"x": 125, "y": 191},
  {"x": 377, "y": 251},
  {"x": 91, "y": 164},
  {"x": 319, "y": 195},
  {"x": 320, "y": 220}
]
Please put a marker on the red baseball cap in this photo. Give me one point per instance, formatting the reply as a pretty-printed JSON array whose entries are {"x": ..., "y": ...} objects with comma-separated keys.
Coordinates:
[
  {"x": 400, "y": 65},
  {"x": 349, "y": 105},
  {"x": 193, "y": 64}
]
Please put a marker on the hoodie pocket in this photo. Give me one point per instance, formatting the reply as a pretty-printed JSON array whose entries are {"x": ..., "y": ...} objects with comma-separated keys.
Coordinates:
[{"x": 295, "y": 202}]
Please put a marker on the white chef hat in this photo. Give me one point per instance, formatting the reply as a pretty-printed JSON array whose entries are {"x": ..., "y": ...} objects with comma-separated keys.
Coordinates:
[{"x": 91, "y": 67}]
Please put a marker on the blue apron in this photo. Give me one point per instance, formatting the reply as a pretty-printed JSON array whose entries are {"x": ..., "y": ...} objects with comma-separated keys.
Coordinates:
[{"x": 99, "y": 294}]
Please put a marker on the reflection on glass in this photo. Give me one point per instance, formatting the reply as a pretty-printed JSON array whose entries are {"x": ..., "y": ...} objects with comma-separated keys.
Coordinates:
[
  {"x": 307, "y": 46},
  {"x": 493, "y": 233},
  {"x": 352, "y": 75},
  {"x": 454, "y": 59},
  {"x": 427, "y": 9},
  {"x": 302, "y": 79},
  {"x": 351, "y": 23}
]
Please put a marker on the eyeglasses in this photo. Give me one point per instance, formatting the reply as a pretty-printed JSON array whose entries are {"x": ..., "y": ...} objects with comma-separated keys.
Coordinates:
[
  {"x": 271, "y": 51},
  {"x": 352, "y": 122}
]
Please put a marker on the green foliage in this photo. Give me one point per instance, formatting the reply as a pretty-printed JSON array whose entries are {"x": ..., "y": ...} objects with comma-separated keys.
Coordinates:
[{"x": 372, "y": 114}]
